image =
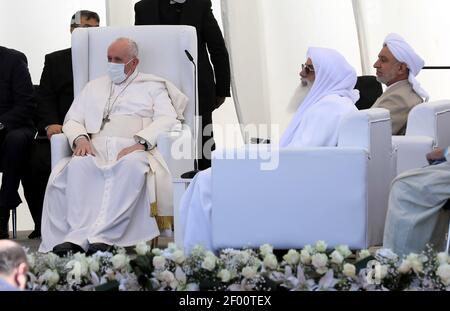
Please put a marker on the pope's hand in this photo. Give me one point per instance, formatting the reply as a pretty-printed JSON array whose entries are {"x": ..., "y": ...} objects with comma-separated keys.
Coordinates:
[
  {"x": 130, "y": 149},
  {"x": 83, "y": 147}
]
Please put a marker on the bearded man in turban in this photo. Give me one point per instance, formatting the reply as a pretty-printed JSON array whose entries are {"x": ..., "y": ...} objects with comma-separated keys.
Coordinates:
[
  {"x": 397, "y": 67},
  {"x": 329, "y": 81}
]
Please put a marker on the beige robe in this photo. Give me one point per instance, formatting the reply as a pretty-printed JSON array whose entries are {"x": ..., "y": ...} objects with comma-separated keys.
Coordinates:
[
  {"x": 399, "y": 99},
  {"x": 102, "y": 200},
  {"x": 415, "y": 215}
]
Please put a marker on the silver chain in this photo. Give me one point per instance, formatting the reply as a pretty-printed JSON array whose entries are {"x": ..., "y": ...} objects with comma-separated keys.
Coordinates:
[{"x": 109, "y": 105}]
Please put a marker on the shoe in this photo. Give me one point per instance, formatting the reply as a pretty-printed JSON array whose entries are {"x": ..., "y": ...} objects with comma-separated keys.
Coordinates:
[
  {"x": 4, "y": 223},
  {"x": 66, "y": 248},
  {"x": 98, "y": 247},
  {"x": 36, "y": 234}
]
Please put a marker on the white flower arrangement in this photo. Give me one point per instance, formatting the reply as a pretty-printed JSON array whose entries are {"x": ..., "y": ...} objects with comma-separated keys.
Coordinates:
[{"x": 311, "y": 268}]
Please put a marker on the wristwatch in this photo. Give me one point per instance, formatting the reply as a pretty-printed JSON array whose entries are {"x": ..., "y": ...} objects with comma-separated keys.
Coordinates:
[{"x": 143, "y": 142}]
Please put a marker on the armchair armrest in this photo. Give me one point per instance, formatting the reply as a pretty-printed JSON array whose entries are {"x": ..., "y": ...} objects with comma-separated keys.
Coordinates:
[
  {"x": 411, "y": 151},
  {"x": 176, "y": 147},
  {"x": 59, "y": 148},
  {"x": 313, "y": 194}
]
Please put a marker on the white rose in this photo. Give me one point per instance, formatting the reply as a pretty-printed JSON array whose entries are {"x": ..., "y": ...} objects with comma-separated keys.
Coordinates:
[
  {"x": 292, "y": 257},
  {"x": 172, "y": 247},
  {"x": 363, "y": 254},
  {"x": 166, "y": 276},
  {"x": 405, "y": 266},
  {"x": 197, "y": 251},
  {"x": 336, "y": 257},
  {"x": 77, "y": 270},
  {"x": 305, "y": 257},
  {"x": 321, "y": 246},
  {"x": 266, "y": 249},
  {"x": 156, "y": 252},
  {"x": 224, "y": 275},
  {"x": 159, "y": 262},
  {"x": 178, "y": 256},
  {"x": 381, "y": 271},
  {"x": 83, "y": 266},
  {"x": 442, "y": 258},
  {"x": 51, "y": 277},
  {"x": 308, "y": 248},
  {"x": 320, "y": 261},
  {"x": 349, "y": 270},
  {"x": 417, "y": 266},
  {"x": 243, "y": 257},
  {"x": 387, "y": 253},
  {"x": 344, "y": 250},
  {"x": 416, "y": 262},
  {"x": 142, "y": 248},
  {"x": 249, "y": 272},
  {"x": 119, "y": 261},
  {"x": 93, "y": 264},
  {"x": 209, "y": 263},
  {"x": 444, "y": 273},
  {"x": 51, "y": 259},
  {"x": 270, "y": 261}
]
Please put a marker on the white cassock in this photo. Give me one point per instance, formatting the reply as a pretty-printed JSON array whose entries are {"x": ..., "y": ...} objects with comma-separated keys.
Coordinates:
[
  {"x": 102, "y": 200},
  {"x": 315, "y": 124}
]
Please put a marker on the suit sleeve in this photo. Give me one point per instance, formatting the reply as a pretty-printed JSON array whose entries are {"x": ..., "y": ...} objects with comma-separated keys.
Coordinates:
[
  {"x": 47, "y": 98},
  {"x": 218, "y": 52},
  {"x": 137, "y": 15},
  {"x": 22, "y": 94}
]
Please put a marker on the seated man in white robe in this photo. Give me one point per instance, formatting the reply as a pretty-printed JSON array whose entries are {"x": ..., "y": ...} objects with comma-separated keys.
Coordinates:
[
  {"x": 415, "y": 215},
  {"x": 102, "y": 195},
  {"x": 329, "y": 80}
]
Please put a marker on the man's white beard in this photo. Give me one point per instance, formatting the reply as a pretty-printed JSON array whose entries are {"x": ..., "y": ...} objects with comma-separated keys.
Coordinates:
[{"x": 299, "y": 96}]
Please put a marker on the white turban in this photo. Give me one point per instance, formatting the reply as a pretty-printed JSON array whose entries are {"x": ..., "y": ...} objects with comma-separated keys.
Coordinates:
[
  {"x": 333, "y": 75},
  {"x": 404, "y": 53}
]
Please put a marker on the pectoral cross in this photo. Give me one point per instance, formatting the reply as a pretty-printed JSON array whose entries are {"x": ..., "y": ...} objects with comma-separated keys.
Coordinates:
[{"x": 104, "y": 121}]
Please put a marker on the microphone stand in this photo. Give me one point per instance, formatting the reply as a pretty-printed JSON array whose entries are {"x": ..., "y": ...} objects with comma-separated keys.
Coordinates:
[{"x": 191, "y": 174}]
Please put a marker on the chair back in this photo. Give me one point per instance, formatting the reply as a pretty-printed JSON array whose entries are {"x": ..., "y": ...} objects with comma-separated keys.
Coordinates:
[
  {"x": 369, "y": 91},
  {"x": 161, "y": 52},
  {"x": 431, "y": 119}
]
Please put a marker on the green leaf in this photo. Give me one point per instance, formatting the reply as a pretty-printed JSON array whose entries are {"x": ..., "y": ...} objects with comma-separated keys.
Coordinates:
[{"x": 110, "y": 286}]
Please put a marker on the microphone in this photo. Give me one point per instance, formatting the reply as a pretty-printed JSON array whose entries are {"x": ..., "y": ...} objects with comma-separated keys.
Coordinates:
[
  {"x": 191, "y": 174},
  {"x": 189, "y": 56}
]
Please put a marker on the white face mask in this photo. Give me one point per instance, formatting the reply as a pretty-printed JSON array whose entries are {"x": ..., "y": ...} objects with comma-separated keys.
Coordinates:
[{"x": 117, "y": 72}]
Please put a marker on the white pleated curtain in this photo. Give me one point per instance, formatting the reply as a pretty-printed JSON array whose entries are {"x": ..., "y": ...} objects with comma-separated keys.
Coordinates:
[{"x": 268, "y": 39}]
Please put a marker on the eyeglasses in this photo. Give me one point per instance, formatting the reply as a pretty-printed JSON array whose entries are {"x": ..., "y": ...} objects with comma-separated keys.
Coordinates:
[{"x": 307, "y": 68}]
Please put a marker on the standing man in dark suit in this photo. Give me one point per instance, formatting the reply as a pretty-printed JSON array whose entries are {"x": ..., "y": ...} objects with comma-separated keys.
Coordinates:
[
  {"x": 16, "y": 129},
  {"x": 213, "y": 84},
  {"x": 55, "y": 96}
]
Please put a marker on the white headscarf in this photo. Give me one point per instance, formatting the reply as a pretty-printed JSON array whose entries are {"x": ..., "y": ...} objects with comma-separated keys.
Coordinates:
[
  {"x": 333, "y": 75},
  {"x": 404, "y": 53}
]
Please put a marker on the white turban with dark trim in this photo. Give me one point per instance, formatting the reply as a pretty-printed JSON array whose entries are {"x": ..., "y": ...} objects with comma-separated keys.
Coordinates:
[{"x": 404, "y": 53}]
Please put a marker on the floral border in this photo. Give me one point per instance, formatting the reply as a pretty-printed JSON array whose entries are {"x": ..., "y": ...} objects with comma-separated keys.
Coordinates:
[{"x": 309, "y": 269}]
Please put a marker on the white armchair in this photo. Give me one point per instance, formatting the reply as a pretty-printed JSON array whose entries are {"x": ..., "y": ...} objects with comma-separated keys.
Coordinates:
[
  {"x": 337, "y": 194},
  {"x": 161, "y": 52},
  {"x": 428, "y": 128}
]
